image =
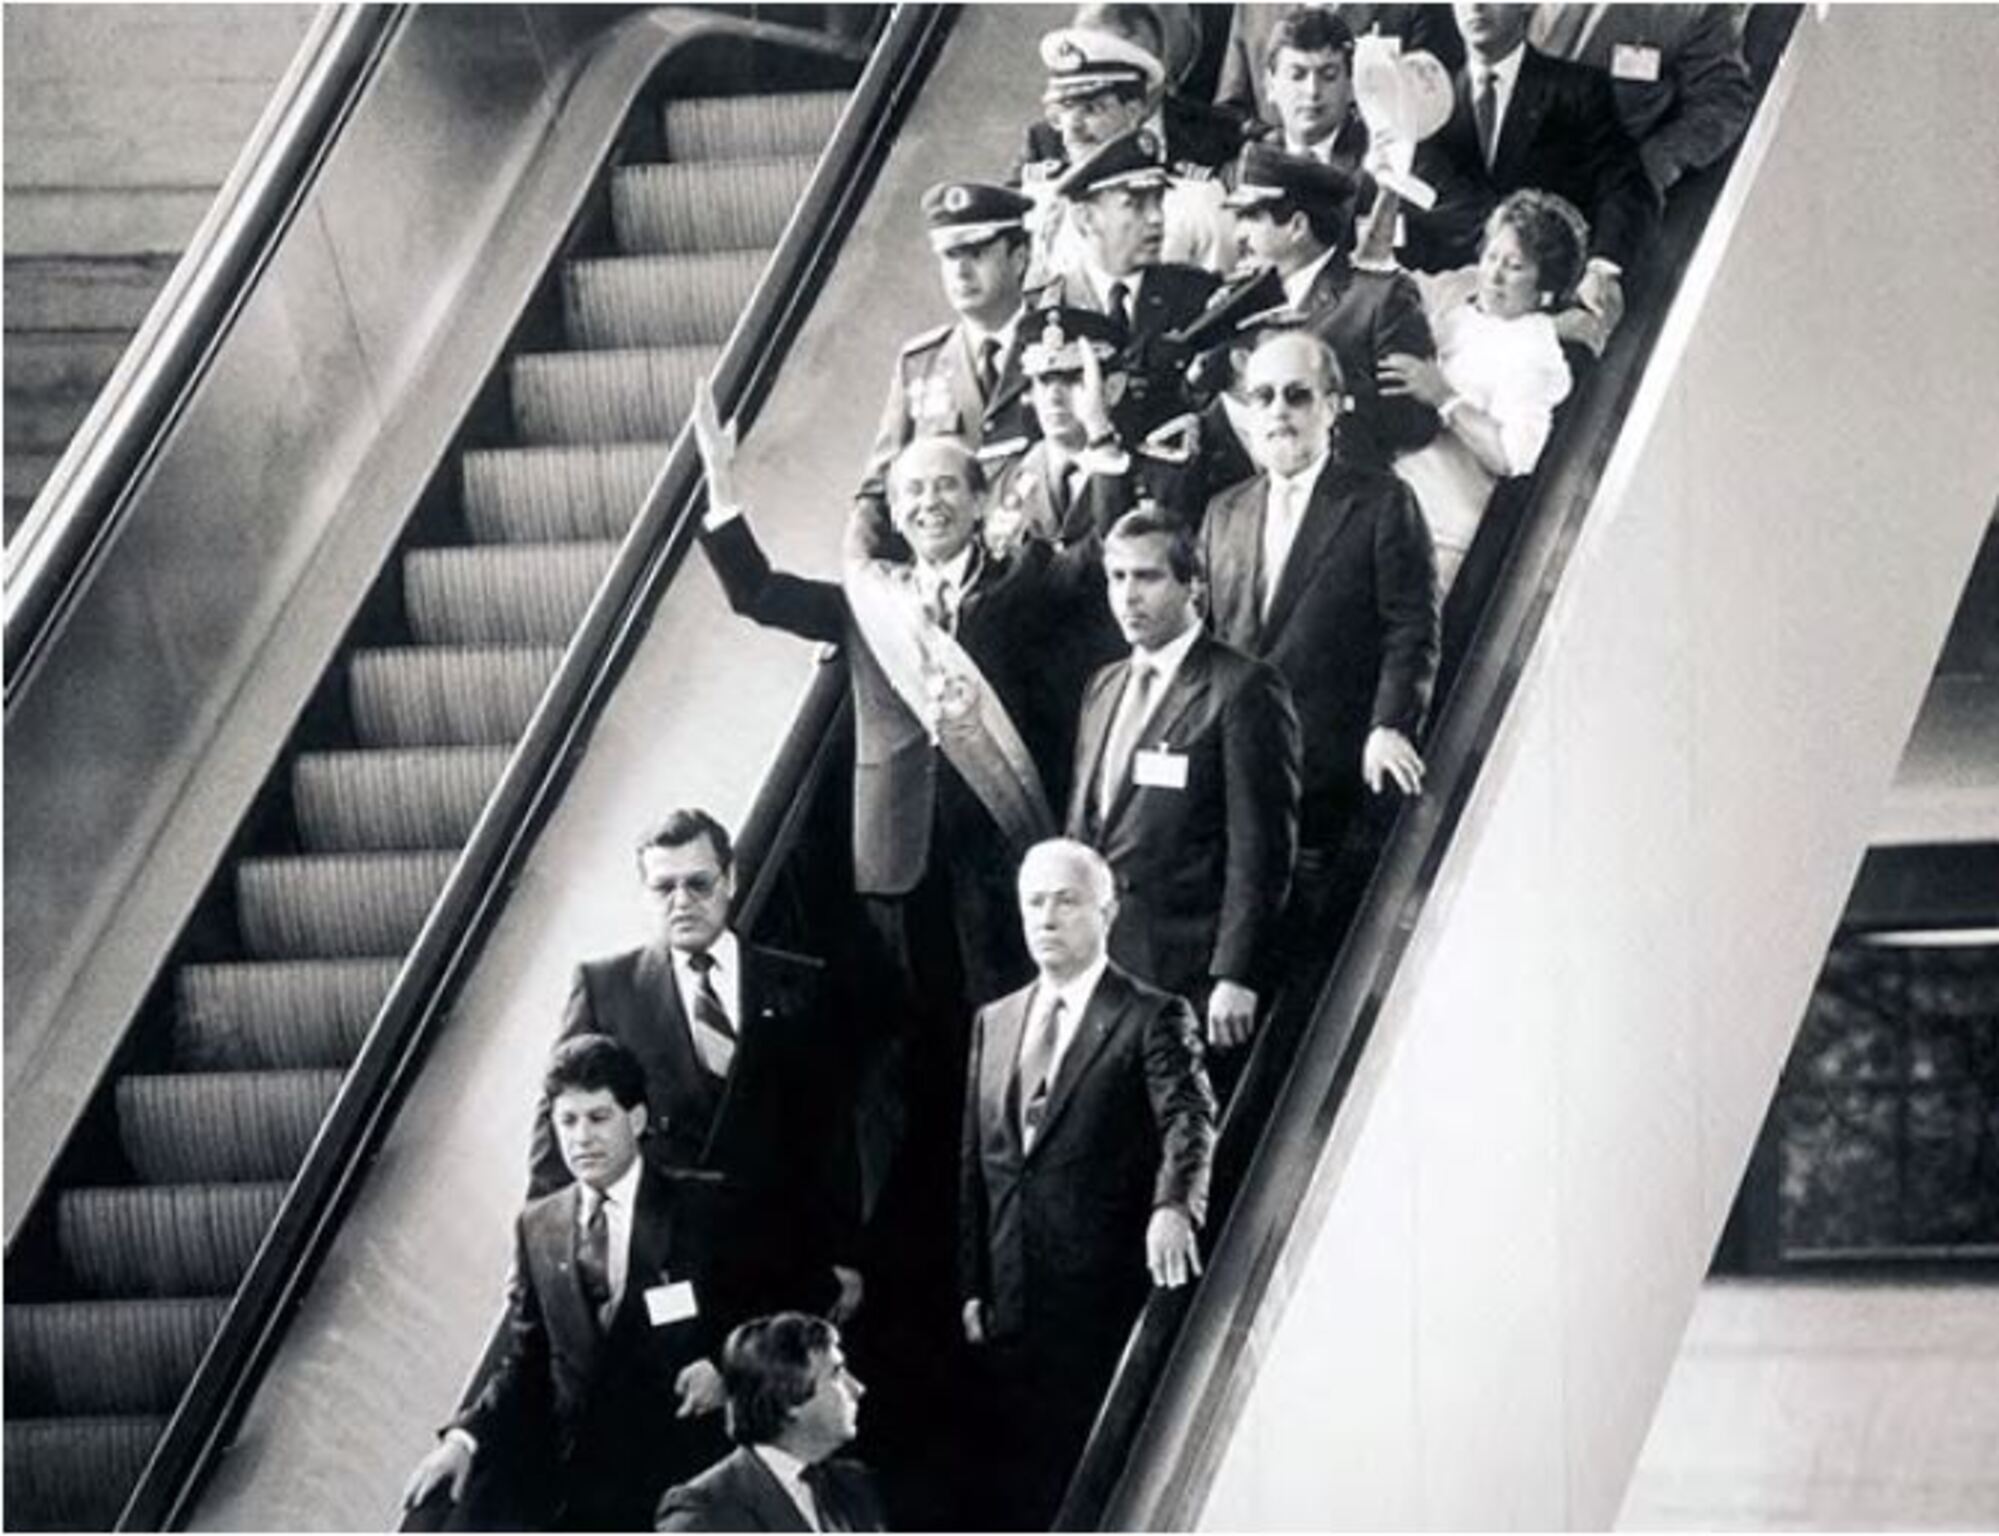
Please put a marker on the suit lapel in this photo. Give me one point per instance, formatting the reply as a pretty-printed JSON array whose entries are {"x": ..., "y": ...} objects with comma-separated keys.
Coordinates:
[
  {"x": 1107, "y": 1005},
  {"x": 1012, "y": 381},
  {"x": 1237, "y": 551},
  {"x": 1188, "y": 688},
  {"x": 673, "y": 1035},
  {"x": 765, "y": 1494},
  {"x": 1523, "y": 121},
  {"x": 1150, "y": 315},
  {"x": 964, "y": 380},
  {"x": 1328, "y": 287},
  {"x": 552, "y": 1239},
  {"x": 1006, "y": 1023},
  {"x": 1099, "y": 708},
  {"x": 1325, "y": 514}
]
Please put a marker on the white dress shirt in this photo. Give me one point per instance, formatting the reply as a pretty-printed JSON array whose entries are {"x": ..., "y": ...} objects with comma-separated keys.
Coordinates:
[
  {"x": 1074, "y": 995},
  {"x": 1299, "y": 283},
  {"x": 1101, "y": 283},
  {"x": 1283, "y": 515}
]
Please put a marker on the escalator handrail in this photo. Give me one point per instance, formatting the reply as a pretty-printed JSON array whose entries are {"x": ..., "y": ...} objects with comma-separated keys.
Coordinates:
[
  {"x": 1165, "y": 1421},
  {"x": 538, "y": 769},
  {"x": 78, "y": 508}
]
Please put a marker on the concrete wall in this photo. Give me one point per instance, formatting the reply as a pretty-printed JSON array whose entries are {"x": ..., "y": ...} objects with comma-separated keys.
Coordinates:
[
  {"x": 121, "y": 123},
  {"x": 1484, "y": 1295}
]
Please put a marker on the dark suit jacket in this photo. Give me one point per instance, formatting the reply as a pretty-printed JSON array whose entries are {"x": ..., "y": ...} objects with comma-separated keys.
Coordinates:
[
  {"x": 900, "y": 790},
  {"x": 1053, "y": 1239},
  {"x": 585, "y": 1415},
  {"x": 1561, "y": 133},
  {"x": 1202, "y": 872},
  {"x": 1364, "y": 316},
  {"x": 1353, "y": 625},
  {"x": 776, "y": 1128},
  {"x": 1169, "y": 295},
  {"x": 740, "y": 1493}
]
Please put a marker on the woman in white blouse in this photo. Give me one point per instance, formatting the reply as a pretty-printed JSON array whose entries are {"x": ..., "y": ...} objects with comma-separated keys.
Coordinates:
[{"x": 1499, "y": 372}]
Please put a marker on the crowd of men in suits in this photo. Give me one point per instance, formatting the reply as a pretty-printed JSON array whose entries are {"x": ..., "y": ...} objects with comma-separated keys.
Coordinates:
[{"x": 1141, "y": 631}]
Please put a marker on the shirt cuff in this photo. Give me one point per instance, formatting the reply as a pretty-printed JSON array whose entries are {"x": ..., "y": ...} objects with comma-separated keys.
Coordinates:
[
  {"x": 1604, "y": 265},
  {"x": 715, "y": 517},
  {"x": 462, "y": 1437}
]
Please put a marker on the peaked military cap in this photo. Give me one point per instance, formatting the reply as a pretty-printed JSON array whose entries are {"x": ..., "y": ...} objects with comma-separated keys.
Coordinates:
[
  {"x": 962, "y": 213},
  {"x": 1267, "y": 174},
  {"x": 1134, "y": 159},
  {"x": 1245, "y": 302},
  {"x": 1082, "y": 61},
  {"x": 1057, "y": 346}
]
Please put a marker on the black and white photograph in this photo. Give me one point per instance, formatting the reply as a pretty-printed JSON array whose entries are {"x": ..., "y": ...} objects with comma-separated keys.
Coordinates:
[{"x": 1000, "y": 767}]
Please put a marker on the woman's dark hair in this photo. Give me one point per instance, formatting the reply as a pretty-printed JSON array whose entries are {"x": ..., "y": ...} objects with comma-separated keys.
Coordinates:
[{"x": 1554, "y": 235}]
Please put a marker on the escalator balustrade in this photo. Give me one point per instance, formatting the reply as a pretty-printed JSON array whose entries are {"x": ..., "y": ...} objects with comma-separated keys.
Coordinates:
[{"x": 142, "y": 1250}]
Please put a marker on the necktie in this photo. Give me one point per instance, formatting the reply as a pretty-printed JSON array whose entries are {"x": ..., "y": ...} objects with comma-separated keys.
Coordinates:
[
  {"x": 988, "y": 368},
  {"x": 1280, "y": 532},
  {"x": 1120, "y": 310},
  {"x": 593, "y": 1259},
  {"x": 714, "y": 1036},
  {"x": 1131, "y": 713},
  {"x": 1037, "y": 1062},
  {"x": 1485, "y": 113}
]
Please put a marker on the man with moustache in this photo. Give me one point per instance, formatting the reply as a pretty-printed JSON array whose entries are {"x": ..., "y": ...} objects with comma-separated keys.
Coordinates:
[{"x": 1325, "y": 571}]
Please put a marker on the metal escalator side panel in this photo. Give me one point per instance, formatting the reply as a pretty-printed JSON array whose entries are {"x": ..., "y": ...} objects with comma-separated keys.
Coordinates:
[{"x": 1471, "y": 1297}]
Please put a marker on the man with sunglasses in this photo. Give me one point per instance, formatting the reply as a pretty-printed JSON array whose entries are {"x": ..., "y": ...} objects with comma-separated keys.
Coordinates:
[
  {"x": 742, "y": 1069},
  {"x": 1325, "y": 570}
]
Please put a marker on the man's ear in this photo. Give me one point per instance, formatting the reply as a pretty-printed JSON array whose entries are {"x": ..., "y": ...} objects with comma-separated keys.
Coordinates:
[
  {"x": 637, "y": 1116},
  {"x": 1115, "y": 385}
]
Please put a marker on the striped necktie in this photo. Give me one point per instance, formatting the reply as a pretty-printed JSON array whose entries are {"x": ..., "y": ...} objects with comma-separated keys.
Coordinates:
[{"x": 714, "y": 1035}]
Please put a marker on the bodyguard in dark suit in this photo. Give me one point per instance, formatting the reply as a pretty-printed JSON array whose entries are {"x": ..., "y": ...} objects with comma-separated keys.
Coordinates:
[
  {"x": 1326, "y": 572},
  {"x": 744, "y": 1070},
  {"x": 620, "y": 1297},
  {"x": 1089, "y": 1135},
  {"x": 793, "y": 1405},
  {"x": 1522, "y": 119},
  {"x": 1115, "y": 202},
  {"x": 1186, "y": 780},
  {"x": 1297, "y": 215}
]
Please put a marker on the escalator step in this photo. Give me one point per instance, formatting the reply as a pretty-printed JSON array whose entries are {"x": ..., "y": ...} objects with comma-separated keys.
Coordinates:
[
  {"x": 335, "y": 905},
  {"x": 658, "y": 301},
  {"x": 502, "y": 594},
  {"x": 81, "y": 1357},
  {"x": 554, "y": 494},
  {"x": 184, "y": 1240},
  {"x": 606, "y": 397},
  {"x": 437, "y": 697},
  {"x": 276, "y": 1015},
  {"x": 726, "y": 206},
  {"x": 222, "y": 1127},
  {"x": 751, "y": 127},
  {"x": 349, "y": 802},
  {"x": 74, "y": 1474}
]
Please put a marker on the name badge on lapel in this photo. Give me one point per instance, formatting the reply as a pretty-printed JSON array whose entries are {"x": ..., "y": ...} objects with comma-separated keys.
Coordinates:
[
  {"x": 670, "y": 1303},
  {"x": 1635, "y": 61},
  {"x": 1159, "y": 768}
]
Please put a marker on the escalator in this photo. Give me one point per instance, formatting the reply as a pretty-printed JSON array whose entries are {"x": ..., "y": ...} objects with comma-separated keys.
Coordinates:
[{"x": 121, "y": 1275}]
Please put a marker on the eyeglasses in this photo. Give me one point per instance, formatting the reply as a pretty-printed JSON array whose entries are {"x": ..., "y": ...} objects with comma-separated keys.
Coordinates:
[
  {"x": 1297, "y": 396},
  {"x": 700, "y": 885}
]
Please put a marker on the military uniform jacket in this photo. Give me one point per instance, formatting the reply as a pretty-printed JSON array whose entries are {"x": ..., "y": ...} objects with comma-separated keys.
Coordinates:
[
  {"x": 1169, "y": 296},
  {"x": 934, "y": 392},
  {"x": 1364, "y": 316}
]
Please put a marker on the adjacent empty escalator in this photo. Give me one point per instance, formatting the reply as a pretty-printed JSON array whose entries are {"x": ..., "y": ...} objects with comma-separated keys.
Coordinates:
[{"x": 124, "y": 1275}]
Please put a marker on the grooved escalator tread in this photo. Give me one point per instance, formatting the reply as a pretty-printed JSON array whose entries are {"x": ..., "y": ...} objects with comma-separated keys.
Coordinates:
[
  {"x": 751, "y": 127},
  {"x": 502, "y": 594},
  {"x": 440, "y": 696},
  {"x": 163, "y": 1240},
  {"x": 348, "y": 802},
  {"x": 556, "y": 492},
  {"x": 619, "y": 396},
  {"x": 74, "y": 1474},
  {"x": 302, "y": 906},
  {"x": 222, "y": 1127},
  {"x": 719, "y": 206},
  {"x": 68, "y": 1358},
  {"x": 658, "y": 301},
  {"x": 271, "y": 1015}
]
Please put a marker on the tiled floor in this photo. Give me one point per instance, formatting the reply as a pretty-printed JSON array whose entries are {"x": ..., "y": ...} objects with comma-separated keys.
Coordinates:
[{"x": 1822, "y": 1407}]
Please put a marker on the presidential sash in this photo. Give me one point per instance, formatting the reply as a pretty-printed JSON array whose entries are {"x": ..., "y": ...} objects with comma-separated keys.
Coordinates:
[{"x": 943, "y": 687}]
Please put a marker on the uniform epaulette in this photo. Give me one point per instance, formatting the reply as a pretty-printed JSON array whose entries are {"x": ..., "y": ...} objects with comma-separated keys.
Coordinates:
[
  {"x": 1193, "y": 170},
  {"x": 929, "y": 338},
  {"x": 1005, "y": 448}
]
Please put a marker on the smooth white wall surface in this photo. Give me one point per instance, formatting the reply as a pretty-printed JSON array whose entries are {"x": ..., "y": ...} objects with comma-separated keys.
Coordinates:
[{"x": 1511, "y": 1222}]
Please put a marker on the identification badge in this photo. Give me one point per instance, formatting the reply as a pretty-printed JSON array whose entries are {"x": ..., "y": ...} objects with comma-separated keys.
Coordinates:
[
  {"x": 1159, "y": 768},
  {"x": 1635, "y": 61},
  {"x": 671, "y": 1303}
]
